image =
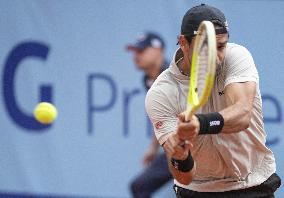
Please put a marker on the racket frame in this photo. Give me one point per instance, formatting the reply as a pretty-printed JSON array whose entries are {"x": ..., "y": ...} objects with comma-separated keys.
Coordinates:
[{"x": 193, "y": 101}]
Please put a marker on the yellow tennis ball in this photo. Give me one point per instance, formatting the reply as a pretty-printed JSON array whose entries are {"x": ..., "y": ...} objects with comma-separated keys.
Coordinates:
[{"x": 45, "y": 113}]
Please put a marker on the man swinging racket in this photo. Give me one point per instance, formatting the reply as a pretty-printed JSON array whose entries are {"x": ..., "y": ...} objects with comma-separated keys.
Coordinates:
[{"x": 214, "y": 148}]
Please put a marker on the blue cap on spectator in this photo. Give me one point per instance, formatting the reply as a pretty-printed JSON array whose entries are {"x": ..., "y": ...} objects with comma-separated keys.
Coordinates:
[{"x": 147, "y": 39}]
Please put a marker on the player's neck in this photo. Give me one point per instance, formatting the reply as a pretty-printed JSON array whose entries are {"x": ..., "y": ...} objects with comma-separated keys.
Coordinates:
[{"x": 184, "y": 66}]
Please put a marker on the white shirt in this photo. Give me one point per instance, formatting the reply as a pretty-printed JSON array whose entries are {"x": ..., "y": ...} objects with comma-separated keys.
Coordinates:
[{"x": 224, "y": 161}]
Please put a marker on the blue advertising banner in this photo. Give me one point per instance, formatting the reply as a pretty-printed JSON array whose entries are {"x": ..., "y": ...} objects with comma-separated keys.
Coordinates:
[{"x": 72, "y": 53}]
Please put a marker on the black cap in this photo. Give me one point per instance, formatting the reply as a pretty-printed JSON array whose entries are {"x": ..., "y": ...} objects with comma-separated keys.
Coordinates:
[
  {"x": 147, "y": 39},
  {"x": 194, "y": 16}
]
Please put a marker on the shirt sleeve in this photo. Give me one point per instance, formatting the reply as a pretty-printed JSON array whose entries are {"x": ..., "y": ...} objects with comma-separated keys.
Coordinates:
[
  {"x": 240, "y": 66},
  {"x": 161, "y": 113}
]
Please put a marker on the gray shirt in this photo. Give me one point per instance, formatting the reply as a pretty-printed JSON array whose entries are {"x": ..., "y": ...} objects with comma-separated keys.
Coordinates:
[{"x": 223, "y": 161}]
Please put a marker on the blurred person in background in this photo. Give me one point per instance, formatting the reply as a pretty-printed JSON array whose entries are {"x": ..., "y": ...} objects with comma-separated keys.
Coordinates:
[{"x": 148, "y": 56}]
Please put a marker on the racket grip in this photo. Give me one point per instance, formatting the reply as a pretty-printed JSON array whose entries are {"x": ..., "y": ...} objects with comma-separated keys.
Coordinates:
[{"x": 188, "y": 115}]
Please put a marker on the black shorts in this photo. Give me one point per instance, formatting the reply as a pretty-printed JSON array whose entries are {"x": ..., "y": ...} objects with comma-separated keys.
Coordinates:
[{"x": 264, "y": 190}]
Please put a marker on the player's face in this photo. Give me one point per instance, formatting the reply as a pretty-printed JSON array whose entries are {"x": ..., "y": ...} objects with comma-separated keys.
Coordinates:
[
  {"x": 187, "y": 49},
  {"x": 222, "y": 40},
  {"x": 145, "y": 59}
]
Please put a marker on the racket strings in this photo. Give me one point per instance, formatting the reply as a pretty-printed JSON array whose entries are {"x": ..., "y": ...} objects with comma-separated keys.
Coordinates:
[{"x": 202, "y": 65}]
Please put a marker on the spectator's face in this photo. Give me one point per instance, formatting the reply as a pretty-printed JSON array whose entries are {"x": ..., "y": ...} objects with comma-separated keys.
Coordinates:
[{"x": 145, "y": 59}]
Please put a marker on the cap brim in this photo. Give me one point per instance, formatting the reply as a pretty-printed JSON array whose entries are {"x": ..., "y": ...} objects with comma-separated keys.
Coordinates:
[{"x": 134, "y": 48}]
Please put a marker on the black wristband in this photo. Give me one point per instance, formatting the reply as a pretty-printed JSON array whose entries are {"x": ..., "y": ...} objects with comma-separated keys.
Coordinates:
[
  {"x": 211, "y": 123},
  {"x": 183, "y": 165}
]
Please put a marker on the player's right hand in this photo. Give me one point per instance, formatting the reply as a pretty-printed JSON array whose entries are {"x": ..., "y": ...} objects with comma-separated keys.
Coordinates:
[
  {"x": 188, "y": 130},
  {"x": 176, "y": 148}
]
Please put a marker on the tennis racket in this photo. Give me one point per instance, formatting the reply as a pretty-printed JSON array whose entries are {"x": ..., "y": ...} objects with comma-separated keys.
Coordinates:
[{"x": 203, "y": 67}]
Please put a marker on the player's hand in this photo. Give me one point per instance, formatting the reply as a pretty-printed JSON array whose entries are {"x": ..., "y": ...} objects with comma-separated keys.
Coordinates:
[
  {"x": 188, "y": 130},
  {"x": 176, "y": 148},
  {"x": 150, "y": 155}
]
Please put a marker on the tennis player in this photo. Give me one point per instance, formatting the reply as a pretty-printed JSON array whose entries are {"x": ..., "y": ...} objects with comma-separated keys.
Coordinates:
[{"x": 226, "y": 155}]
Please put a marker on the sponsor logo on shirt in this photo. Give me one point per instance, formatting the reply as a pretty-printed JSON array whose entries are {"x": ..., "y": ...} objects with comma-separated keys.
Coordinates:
[{"x": 159, "y": 124}]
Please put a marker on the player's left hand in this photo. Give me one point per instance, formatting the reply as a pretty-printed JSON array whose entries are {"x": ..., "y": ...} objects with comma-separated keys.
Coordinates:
[
  {"x": 176, "y": 148},
  {"x": 188, "y": 130}
]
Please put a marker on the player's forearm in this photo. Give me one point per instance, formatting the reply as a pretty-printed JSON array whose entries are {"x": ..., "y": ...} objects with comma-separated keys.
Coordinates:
[
  {"x": 239, "y": 99},
  {"x": 180, "y": 161},
  {"x": 236, "y": 117}
]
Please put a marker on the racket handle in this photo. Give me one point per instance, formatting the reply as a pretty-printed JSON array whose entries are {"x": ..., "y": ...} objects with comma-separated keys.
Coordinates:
[{"x": 188, "y": 115}]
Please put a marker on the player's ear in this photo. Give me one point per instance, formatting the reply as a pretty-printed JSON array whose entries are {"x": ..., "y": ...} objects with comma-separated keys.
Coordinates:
[{"x": 184, "y": 45}]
